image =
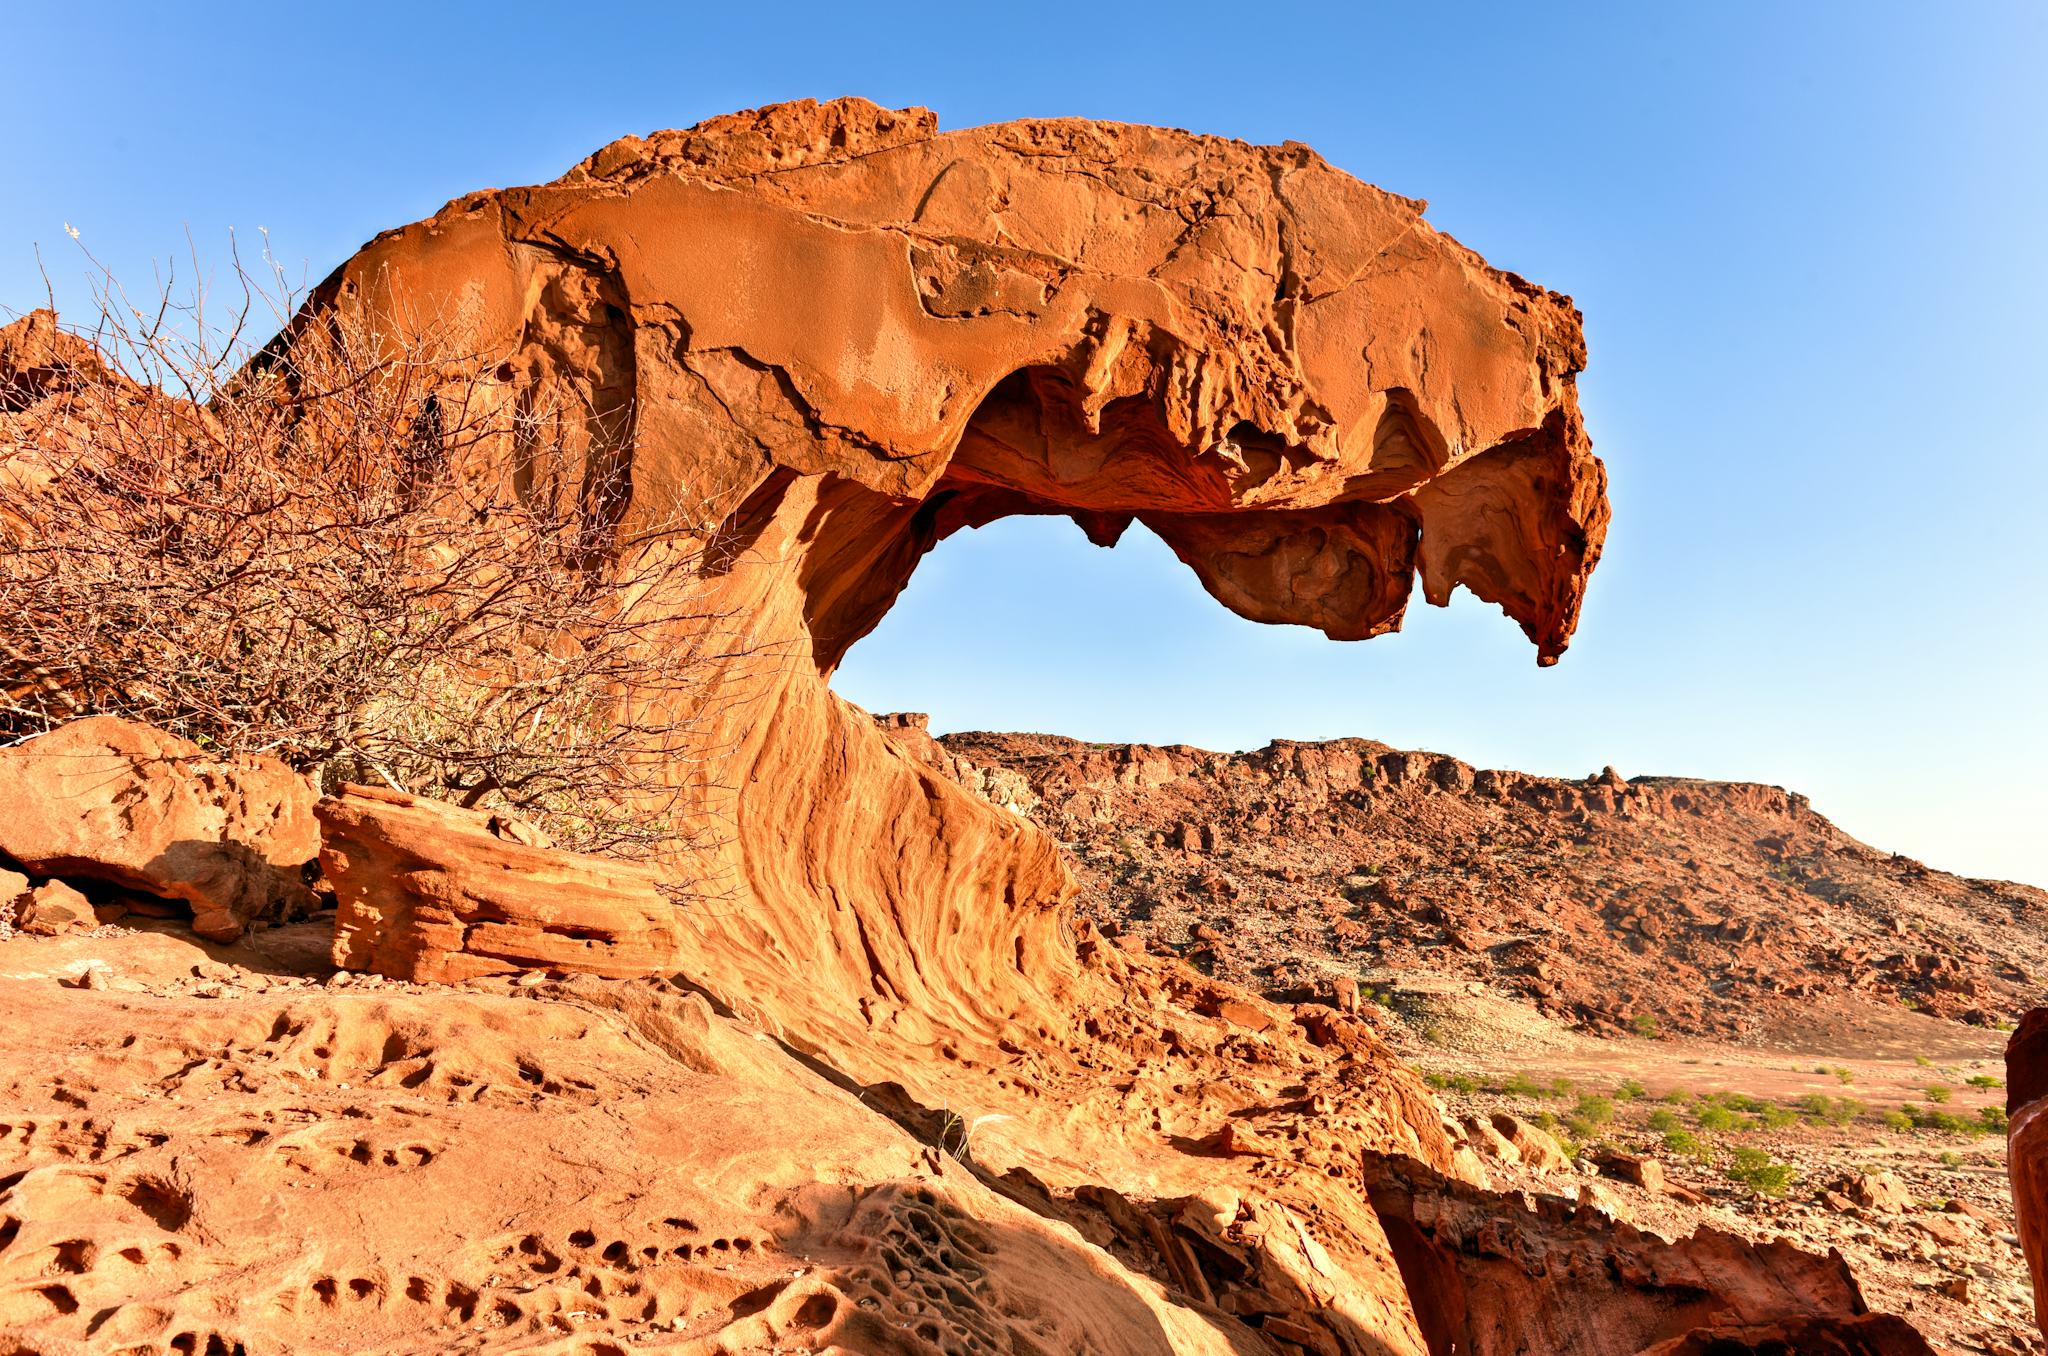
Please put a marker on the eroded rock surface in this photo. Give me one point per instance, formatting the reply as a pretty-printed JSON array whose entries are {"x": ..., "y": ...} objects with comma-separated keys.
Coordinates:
[
  {"x": 39, "y": 358},
  {"x": 111, "y": 800}
]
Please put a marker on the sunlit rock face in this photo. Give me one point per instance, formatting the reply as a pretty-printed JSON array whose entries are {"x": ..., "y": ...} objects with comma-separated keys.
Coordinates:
[{"x": 836, "y": 335}]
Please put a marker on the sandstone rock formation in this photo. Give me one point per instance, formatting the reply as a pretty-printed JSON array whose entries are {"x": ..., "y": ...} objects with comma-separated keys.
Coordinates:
[
  {"x": 2026, "y": 1096},
  {"x": 1532, "y": 1145},
  {"x": 1646, "y": 1173},
  {"x": 835, "y": 336},
  {"x": 850, "y": 335},
  {"x": 237, "y": 1153},
  {"x": 427, "y": 891},
  {"x": 1875, "y": 1191},
  {"x": 53, "y": 386},
  {"x": 110, "y": 800}
]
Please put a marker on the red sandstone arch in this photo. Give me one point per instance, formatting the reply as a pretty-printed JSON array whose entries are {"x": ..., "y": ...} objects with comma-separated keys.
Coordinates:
[{"x": 852, "y": 335}]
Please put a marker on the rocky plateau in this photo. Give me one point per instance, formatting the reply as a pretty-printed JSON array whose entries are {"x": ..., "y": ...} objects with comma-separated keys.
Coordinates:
[{"x": 1662, "y": 903}]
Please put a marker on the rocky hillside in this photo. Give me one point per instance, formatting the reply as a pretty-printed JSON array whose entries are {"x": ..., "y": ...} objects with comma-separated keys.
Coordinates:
[{"x": 1657, "y": 904}]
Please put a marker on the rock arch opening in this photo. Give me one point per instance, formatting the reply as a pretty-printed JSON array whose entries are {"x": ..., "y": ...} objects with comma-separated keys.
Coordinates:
[{"x": 1243, "y": 513}]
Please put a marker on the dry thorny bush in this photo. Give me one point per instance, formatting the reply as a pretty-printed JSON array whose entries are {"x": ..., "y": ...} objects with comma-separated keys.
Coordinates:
[{"x": 364, "y": 554}]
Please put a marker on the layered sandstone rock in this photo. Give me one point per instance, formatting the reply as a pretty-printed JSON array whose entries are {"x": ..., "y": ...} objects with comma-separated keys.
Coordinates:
[
  {"x": 429, "y": 891},
  {"x": 111, "y": 800},
  {"x": 2026, "y": 1098}
]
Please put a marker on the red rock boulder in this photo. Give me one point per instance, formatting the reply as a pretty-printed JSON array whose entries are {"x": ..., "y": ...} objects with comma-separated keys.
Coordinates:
[
  {"x": 112, "y": 800},
  {"x": 53, "y": 909},
  {"x": 1876, "y": 1191},
  {"x": 430, "y": 891}
]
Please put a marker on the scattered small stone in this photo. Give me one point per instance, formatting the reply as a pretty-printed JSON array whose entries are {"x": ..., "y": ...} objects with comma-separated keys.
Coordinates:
[{"x": 1943, "y": 1229}]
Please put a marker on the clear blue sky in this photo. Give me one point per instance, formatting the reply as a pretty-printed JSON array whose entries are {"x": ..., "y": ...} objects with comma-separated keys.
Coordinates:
[{"x": 1808, "y": 239}]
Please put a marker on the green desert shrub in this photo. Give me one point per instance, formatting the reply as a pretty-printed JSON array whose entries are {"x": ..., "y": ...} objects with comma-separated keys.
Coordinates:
[
  {"x": 1558, "y": 1130},
  {"x": 1946, "y": 1122},
  {"x": 1687, "y": 1143},
  {"x": 1939, "y": 1092},
  {"x": 1819, "y": 1107},
  {"x": 1775, "y": 1117},
  {"x": 1716, "y": 1117},
  {"x": 1595, "y": 1109},
  {"x": 1757, "y": 1170}
]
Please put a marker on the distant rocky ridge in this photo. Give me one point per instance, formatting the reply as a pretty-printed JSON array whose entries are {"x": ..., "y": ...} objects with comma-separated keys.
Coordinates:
[{"x": 1654, "y": 903}]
